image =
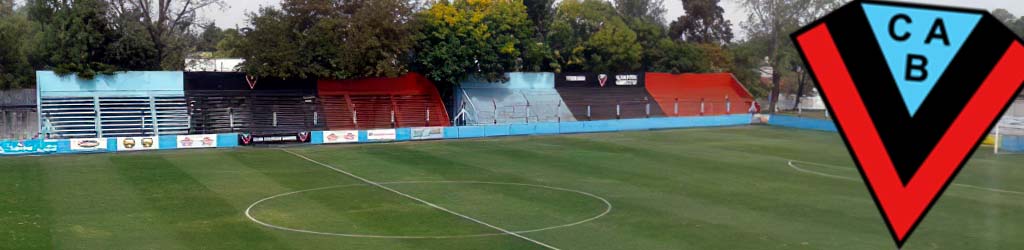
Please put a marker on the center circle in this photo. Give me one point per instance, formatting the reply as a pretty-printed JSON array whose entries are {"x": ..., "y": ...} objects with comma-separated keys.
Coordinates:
[{"x": 358, "y": 210}]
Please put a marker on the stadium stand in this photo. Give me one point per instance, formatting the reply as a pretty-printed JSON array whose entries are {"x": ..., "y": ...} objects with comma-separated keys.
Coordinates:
[
  {"x": 407, "y": 101},
  {"x": 699, "y": 94},
  {"x": 524, "y": 98},
  {"x": 120, "y": 105},
  {"x": 606, "y": 97},
  {"x": 224, "y": 102}
]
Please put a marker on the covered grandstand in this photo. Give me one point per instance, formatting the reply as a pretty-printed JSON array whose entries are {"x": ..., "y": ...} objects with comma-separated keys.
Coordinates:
[
  {"x": 121, "y": 105},
  {"x": 407, "y": 101},
  {"x": 225, "y": 102},
  {"x": 592, "y": 96},
  {"x": 524, "y": 98},
  {"x": 698, "y": 94}
]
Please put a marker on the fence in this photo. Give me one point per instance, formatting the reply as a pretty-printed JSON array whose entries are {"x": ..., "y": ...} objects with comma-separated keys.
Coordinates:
[{"x": 542, "y": 128}]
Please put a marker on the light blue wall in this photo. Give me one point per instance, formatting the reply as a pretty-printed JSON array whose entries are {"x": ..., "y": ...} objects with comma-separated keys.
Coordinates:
[
  {"x": 1011, "y": 143},
  {"x": 802, "y": 123},
  {"x": 129, "y": 84}
]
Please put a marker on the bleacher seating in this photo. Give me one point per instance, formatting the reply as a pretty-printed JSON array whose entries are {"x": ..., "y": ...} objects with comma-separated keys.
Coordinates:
[
  {"x": 720, "y": 94},
  {"x": 224, "y": 102},
  {"x": 382, "y": 103},
  {"x": 121, "y": 105},
  {"x": 524, "y": 98},
  {"x": 620, "y": 96}
]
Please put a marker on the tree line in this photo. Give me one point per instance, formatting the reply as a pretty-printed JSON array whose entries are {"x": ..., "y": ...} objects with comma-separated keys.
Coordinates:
[{"x": 446, "y": 40}]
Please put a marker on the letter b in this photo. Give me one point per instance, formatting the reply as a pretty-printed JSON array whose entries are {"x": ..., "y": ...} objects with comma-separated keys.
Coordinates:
[{"x": 917, "y": 63}]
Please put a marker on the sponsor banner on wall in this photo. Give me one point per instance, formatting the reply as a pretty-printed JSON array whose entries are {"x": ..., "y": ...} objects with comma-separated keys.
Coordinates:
[
  {"x": 138, "y": 143},
  {"x": 600, "y": 80},
  {"x": 381, "y": 135},
  {"x": 428, "y": 133},
  {"x": 341, "y": 136},
  {"x": 197, "y": 141},
  {"x": 91, "y": 144},
  {"x": 248, "y": 139},
  {"x": 28, "y": 147}
]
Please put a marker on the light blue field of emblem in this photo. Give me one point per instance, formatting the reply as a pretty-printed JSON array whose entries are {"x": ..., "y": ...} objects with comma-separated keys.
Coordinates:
[{"x": 958, "y": 28}]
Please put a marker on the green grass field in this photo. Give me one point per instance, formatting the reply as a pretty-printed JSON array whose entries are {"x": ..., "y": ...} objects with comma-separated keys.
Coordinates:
[{"x": 714, "y": 188}]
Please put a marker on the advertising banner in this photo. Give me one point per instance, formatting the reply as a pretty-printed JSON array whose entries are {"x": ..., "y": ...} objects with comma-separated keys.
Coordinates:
[
  {"x": 381, "y": 135},
  {"x": 428, "y": 133},
  {"x": 342, "y": 136},
  {"x": 28, "y": 147},
  {"x": 89, "y": 145},
  {"x": 197, "y": 141},
  {"x": 600, "y": 80},
  {"x": 248, "y": 139},
  {"x": 138, "y": 143}
]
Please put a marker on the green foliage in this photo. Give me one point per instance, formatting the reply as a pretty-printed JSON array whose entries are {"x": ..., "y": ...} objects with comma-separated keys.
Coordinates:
[
  {"x": 704, "y": 22},
  {"x": 280, "y": 45},
  {"x": 572, "y": 34},
  {"x": 479, "y": 38},
  {"x": 209, "y": 38},
  {"x": 378, "y": 37},
  {"x": 648, "y": 10},
  {"x": 226, "y": 47},
  {"x": 76, "y": 41},
  {"x": 613, "y": 49},
  {"x": 540, "y": 12},
  {"x": 15, "y": 70}
]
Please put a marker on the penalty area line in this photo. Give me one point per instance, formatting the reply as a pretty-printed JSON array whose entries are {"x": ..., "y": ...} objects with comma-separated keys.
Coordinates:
[{"x": 381, "y": 186}]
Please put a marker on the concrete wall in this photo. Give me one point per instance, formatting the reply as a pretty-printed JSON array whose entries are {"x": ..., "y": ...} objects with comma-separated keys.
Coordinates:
[{"x": 18, "y": 114}]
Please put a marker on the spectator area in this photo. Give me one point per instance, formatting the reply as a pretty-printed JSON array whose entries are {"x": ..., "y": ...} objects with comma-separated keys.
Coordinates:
[
  {"x": 524, "y": 98},
  {"x": 407, "y": 101},
  {"x": 222, "y": 102},
  {"x": 590, "y": 96},
  {"x": 125, "y": 104},
  {"x": 720, "y": 94}
]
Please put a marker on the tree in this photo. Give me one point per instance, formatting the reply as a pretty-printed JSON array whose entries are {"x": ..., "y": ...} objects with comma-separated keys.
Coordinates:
[
  {"x": 15, "y": 33},
  {"x": 166, "y": 23},
  {"x": 704, "y": 22},
  {"x": 540, "y": 12},
  {"x": 483, "y": 39},
  {"x": 648, "y": 10},
  {"x": 572, "y": 34},
  {"x": 76, "y": 39},
  {"x": 613, "y": 49},
  {"x": 378, "y": 37},
  {"x": 209, "y": 37},
  {"x": 226, "y": 47},
  {"x": 774, "y": 20},
  {"x": 288, "y": 43},
  {"x": 1014, "y": 23},
  {"x": 6, "y": 8}
]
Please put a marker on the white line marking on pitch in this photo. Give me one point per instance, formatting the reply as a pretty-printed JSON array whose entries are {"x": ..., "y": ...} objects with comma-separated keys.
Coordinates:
[
  {"x": 248, "y": 211},
  {"x": 794, "y": 167},
  {"x": 367, "y": 181}
]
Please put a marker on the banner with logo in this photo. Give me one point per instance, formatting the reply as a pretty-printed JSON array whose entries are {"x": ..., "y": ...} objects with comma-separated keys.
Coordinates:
[
  {"x": 600, "y": 80},
  {"x": 89, "y": 145},
  {"x": 381, "y": 135},
  {"x": 300, "y": 137},
  {"x": 341, "y": 136},
  {"x": 28, "y": 147},
  {"x": 197, "y": 141},
  {"x": 138, "y": 143},
  {"x": 428, "y": 133}
]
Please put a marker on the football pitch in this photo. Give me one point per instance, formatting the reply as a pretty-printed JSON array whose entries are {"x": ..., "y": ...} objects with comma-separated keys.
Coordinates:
[{"x": 750, "y": 187}]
